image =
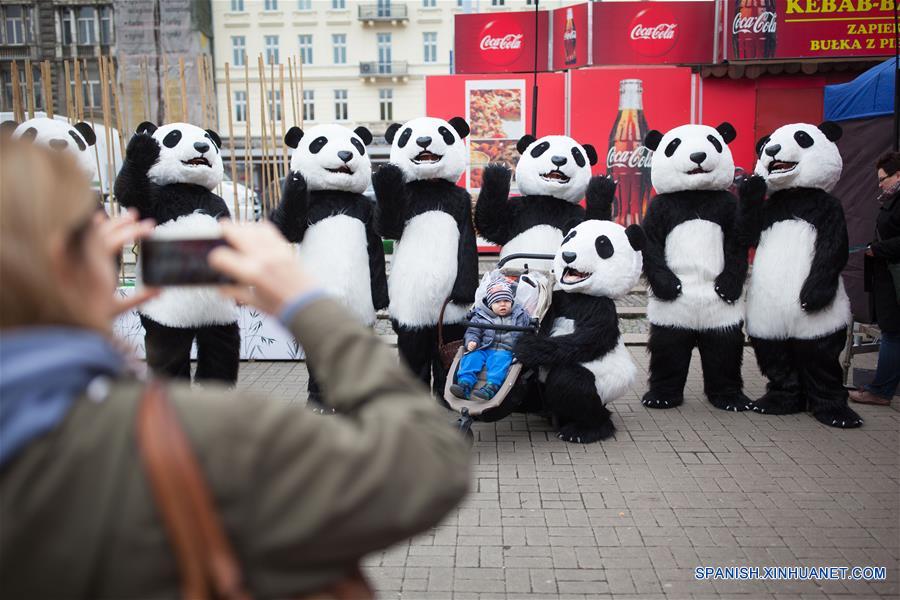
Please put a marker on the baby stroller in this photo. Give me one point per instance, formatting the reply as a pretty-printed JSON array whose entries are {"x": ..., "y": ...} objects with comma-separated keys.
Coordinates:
[{"x": 533, "y": 289}]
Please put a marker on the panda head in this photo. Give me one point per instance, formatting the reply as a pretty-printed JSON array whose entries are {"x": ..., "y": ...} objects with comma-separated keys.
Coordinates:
[
  {"x": 554, "y": 165},
  {"x": 429, "y": 148},
  {"x": 691, "y": 157},
  {"x": 187, "y": 154},
  {"x": 331, "y": 157},
  {"x": 800, "y": 155},
  {"x": 599, "y": 258},
  {"x": 58, "y": 135}
]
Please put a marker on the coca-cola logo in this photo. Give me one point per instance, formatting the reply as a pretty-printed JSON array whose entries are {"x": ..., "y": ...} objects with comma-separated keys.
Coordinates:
[
  {"x": 653, "y": 31},
  {"x": 502, "y": 41},
  {"x": 764, "y": 22},
  {"x": 636, "y": 158}
]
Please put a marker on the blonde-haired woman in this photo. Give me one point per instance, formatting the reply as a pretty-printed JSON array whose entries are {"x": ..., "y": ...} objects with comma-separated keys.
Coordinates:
[{"x": 302, "y": 498}]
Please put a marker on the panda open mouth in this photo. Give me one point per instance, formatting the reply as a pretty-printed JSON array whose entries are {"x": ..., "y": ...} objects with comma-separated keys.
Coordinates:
[
  {"x": 781, "y": 166},
  {"x": 426, "y": 157},
  {"x": 343, "y": 169},
  {"x": 572, "y": 276},
  {"x": 555, "y": 175},
  {"x": 697, "y": 171},
  {"x": 196, "y": 162}
]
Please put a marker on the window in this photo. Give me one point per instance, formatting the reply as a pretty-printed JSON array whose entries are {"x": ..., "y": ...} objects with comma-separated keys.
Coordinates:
[
  {"x": 386, "y": 103},
  {"x": 338, "y": 4},
  {"x": 384, "y": 52},
  {"x": 340, "y": 105},
  {"x": 270, "y": 5},
  {"x": 429, "y": 41},
  {"x": 275, "y": 105},
  {"x": 271, "y": 49},
  {"x": 67, "y": 27},
  {"x": 106, "y": 26},
  {"x": 429, "y": 3},
  {"x": 237, "y": 5},
  {"x": 340, "y": 48},
  {"x": 90, "y": 91},
  {"x": 304, "y": 4},
  {"x": 309, "y": 105},
  {"x": 383, "y": 8},
  {"x": 240, "y": 107},
  {"x": 86, "y": 26},
  {"x": 498, "y": 2},
  {"x": 306, "y": 48},
  {"x": 17, "y": 26},
  {"x": 238, "y": 50}
]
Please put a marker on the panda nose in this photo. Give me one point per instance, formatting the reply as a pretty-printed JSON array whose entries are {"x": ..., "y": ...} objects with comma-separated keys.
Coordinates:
[
  {"x": 698, "y": 157},
  {"x": 345, "y": 156},
  {"x": 569, "y": 257},
  {"x": 773, "y": 150},
  {"x": 423, "y": 141},
  {"x": 58, "y": 144},
  {"x": 559, "y": 160},
  {"x": 201, "y": 146}
]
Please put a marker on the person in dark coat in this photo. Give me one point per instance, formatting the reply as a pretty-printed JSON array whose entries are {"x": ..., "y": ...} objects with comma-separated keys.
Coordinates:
[{"x": 882, "y": 252}]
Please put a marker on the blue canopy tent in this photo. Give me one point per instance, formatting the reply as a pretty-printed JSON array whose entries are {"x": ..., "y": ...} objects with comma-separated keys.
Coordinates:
[{"x": 864, "y": 108}]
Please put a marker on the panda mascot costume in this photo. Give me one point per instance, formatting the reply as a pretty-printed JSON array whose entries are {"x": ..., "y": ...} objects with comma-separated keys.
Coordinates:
[
  {"x": 696, "y": 267},
  {"x": 75, "y": 139},
  {"x": 582, "y": 358},
  {"x": 553, "y": 174},
  {"x": 435, "y": 256},
  {"x": 797, "y": 309},
  {"x": 324, "y": 210},
  {"x": 168, "y": 175}
]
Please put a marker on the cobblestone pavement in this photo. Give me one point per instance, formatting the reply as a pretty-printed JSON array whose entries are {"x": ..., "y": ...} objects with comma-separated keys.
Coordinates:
[{"x": 634, "y": 516}]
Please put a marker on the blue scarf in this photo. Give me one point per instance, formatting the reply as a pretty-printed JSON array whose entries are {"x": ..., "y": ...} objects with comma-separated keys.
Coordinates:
[{"x": 42, "y": 371}]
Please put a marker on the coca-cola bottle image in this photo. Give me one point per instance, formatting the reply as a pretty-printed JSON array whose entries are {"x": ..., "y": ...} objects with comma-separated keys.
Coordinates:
[
  {"x": 569, "y": 38},
  {"x": 628, "y": 160},
  {"x": 753, "y": 29}
]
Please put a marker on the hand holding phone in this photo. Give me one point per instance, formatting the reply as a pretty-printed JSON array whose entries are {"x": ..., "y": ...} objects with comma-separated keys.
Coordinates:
[{"x": 166, "y": 262}]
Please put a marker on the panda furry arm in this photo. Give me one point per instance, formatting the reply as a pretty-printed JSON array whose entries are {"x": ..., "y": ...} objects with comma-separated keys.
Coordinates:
[
  {"x": 831, "y": 252},
  {"x": 133, "y": 187},
  {"x": 748, "y": 226},
  {"x": 390, "y": 197},
  {"x": 664, "y": 284},
  {"x": 493, "y": 210},
  {"x": 730, "y": 282},
  {"x": 466, "y": 283},
  {"x": 377, "y": 274},
  {"x": 601, "y": 191},
  {"x": 291, "y": 216}
]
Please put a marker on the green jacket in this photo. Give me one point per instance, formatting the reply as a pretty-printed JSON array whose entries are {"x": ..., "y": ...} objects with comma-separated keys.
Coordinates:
[{"x": 302, "y": 497}]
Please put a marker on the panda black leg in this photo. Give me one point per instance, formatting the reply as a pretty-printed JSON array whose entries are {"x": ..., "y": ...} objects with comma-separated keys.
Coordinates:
[
  {"x": 823, "y": 380},
  {"x": 599, "y": 429},
  {"x": 572, "y": 397},
  {"x": 784, "y": 395},
  {"x": 219, "y": 353},
  {"x": 416, "y": 347},
  {"x": 721, "y": 354},
  {"x": 670, "y": 358},
  {"x": 168, "y": 349},
  {"x": 315, "y": 401}
]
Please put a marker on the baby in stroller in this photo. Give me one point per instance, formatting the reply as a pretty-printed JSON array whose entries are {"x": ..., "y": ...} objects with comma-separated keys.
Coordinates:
[{"x": 490, "y": 348}]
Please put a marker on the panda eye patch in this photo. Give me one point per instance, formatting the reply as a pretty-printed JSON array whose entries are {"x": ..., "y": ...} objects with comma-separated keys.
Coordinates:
[
  {"x": 569, "y": 236},
  {"x": 317, "y": 144},
  {"x": 540, "y": 149},
  {"x": 604, "y": 247},
  {"x": 803, "y": 138},
  {"x": 716, "y": 143},
  {"x": 672, "y": 147},
  {"x": 171, "y": 140},
  {"x": 579, "y": 157},
  {"x": 404, "y": 137},
  {"x": 77, "y": 139},
  {"x": 358, "y": 145},
  {"x": 445, "y": 133}
]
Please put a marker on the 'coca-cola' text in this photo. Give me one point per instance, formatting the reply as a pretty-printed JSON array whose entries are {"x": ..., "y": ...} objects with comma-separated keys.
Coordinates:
[
  {"x": 512, "y": 41},
  {"x": 637, "y": 158},
  {"x": 663, "y": 31},
  {"x": 764, "y": 22}
]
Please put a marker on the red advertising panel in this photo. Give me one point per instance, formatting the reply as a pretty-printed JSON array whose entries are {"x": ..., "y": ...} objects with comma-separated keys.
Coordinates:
[
  {"x": 613, "y": 109},
  {"x": 653, "y": 33},
  {"x": 501, "y": 42},
  {"x": 778, "y": 29},
  {"x": 571, "y": 37}
]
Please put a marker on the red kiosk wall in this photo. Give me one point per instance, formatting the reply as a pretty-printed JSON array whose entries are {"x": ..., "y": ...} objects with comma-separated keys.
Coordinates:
[{"x": 733, "y": 100}]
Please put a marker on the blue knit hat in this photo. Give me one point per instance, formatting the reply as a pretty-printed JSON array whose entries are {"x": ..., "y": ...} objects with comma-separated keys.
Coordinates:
[{"x": 497, "y": 291}]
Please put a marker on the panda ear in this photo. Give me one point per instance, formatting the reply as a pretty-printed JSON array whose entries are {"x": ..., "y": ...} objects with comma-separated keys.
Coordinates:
[
  {"x": 215, "y": 137},
  {"x": 87, "y": 132},
  {"x": 831, "y": 130},
  {"x": 570, "y": 225},
  {"x": 523, "y": 143},
  {"x": 636, "y": 237},
  {"x": 293, "y": 136},
  {"x": 364, "y": 134},
  {"x": 591, "y": 152},
  {"x": 391, "y": 131},
  {"x": 460, "y": 125},
  {"x": 760, "y": 145},
  {"x": 7, "y": 128},
  {"x": 146, "y": 127},
  {"x": 727, "y": 131},
  {"x": 652, "y": 139}
]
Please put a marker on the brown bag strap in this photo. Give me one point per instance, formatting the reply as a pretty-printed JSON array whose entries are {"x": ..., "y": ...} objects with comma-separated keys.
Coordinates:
[
  {"x": 441, "y": 322},
  {"x": 206, "y": 562}
]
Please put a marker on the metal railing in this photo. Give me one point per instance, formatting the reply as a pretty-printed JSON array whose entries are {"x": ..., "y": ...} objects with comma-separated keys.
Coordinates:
[
  {"x": 389, "y": 11},
  {"x": 383, "y": 69}
]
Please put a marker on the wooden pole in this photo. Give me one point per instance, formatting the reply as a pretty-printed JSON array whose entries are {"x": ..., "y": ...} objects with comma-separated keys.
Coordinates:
[
  {"x": 145, "y": 83},
  {"x": 211, "y": 92},
  {"x": 47, "y": 83},
  {"x": 168, "y": 110},
  {"x": 29, "y": 87},
  {"x": 283, "y": 120},
  {"x": 79, "y": 93},
  {"x": 120, "y": 118},
  {"x": 248, "y": 155},
  {"x": 70, "y": 105},
  {"x": 18, "y": 109},
  {"x": 184, "y": 106},
  {"x": 293, "y": 91},
  {"x": 275, "y": 164},
  {"x": 107, "y": 134},
  {"x": 300, "y": 81},
  {"x": 201, "y": 83},
  {"x": 263, "y": 135},
  {"x": 237, "y": 212}
]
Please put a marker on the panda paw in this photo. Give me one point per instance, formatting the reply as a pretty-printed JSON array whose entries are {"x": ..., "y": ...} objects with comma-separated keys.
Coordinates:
[
  {"x": 294, "y": 185},
  {"x": 580, "y": 434},
  {"x": 728, "y": 287},
  {"x": 652, "y": 400},
  {"x": 666, "y": 286},
  {"x": 387, "y": 181},
  {"x": 495, "y": 176},
  {"x": 753, "y": 190},
  {"x": 734, "y": 403},
  {"x": 842, "y": 418},
  {"x": 601, "y": 193},
  {"x": 143, "y": 150},
  {"x": 814, "y": 298}
]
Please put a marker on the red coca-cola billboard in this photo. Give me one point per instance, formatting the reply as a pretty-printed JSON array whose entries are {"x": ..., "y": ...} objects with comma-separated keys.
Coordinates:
[
  {"x": 641, "y": 33},
  {"x": 779, "y": 29},
  {"x": 501, "y": 42},
  {"x": 571, "y": 37}
]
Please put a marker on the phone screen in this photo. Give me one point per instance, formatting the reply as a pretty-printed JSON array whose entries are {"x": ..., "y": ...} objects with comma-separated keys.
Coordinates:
[{"x": 180, "y": 262}]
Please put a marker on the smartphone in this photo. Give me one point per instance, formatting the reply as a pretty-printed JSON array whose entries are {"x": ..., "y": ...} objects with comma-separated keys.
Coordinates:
[{"x": 180, "y": 262}]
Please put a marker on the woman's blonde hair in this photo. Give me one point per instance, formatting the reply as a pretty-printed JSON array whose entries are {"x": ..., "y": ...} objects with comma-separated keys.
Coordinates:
[{"x": 45, "y": 201}]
